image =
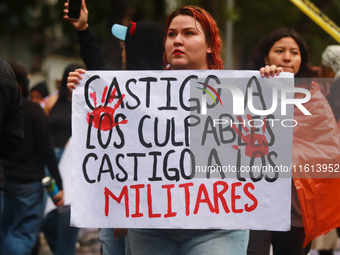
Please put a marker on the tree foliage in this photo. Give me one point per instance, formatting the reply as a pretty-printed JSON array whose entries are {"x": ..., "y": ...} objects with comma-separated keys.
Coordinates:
[{"x": 258, "y": 17}]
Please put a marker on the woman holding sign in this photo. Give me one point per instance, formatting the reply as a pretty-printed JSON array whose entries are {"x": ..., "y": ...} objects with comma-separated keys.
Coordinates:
[
  {"x": 192, "y": 43},
  {"x": 316, "y": 143}
]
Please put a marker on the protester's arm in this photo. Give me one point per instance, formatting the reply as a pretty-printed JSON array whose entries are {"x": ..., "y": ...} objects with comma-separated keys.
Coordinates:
[
  {"x": 52, "y": 99},
  {"x": 89, "y": 49},
  {"x": 44, "y": 145},
  {"x": 51, "y": 162},
  {"x": 90, "y": 52},
  {"x": 81, "y": 23}
]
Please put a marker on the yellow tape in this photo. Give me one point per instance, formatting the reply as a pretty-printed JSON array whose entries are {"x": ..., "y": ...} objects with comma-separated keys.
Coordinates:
[{"x": 318, "y": 17}]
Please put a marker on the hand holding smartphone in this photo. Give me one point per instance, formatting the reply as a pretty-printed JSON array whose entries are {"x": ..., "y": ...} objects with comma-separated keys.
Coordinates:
[{"x": 74, "y": 7}]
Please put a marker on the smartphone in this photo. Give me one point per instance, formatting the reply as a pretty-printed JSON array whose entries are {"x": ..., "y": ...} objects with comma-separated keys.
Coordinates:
[{"x": 74, "y": 7}]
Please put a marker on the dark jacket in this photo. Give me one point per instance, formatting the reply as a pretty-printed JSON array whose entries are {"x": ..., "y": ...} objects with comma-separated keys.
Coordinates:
[
  {"x": 28, "y": 162},
  {"x": 143, "y": 46},
  {"x": 11, "y": 121}
]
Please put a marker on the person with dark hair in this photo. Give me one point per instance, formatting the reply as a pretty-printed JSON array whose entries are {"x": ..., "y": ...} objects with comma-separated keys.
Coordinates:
[
  {"x": 22, "y": 76},
  {"x": 260, "y": 55},
  {"x": 192, "y": 42},
  {"x": 11, "y": 120},
  {"x": 24, "y": 170},
  {"x": 58, "y": 110},
  {"x": 316, "y": 138},
  {"x": 39, "y": 92}
]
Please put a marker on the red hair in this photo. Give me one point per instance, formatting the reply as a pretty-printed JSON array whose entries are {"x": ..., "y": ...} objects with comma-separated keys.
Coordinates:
[{"x": 211, "y": 32}]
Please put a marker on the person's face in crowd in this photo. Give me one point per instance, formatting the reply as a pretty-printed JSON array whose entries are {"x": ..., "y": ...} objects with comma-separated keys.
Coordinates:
[
  {"x": 285, "y": 53},
  {"x": 36, "y": 96},
  {"x": 186, "y": 46}
]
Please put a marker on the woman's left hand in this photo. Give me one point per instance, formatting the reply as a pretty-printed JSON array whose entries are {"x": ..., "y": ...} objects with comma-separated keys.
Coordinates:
[{"x": 272, "y": 70}]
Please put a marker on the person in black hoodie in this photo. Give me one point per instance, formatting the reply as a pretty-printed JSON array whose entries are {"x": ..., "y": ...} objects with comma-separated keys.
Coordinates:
[
  {"x": 142, "y": 44},
  {"x": 24, "y": 170},
  {"x": 11, "y": 120},
  {"x": 142, "y": 49}
]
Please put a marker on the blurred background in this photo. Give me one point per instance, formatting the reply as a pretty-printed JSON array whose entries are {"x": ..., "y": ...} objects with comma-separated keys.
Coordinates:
[{"x": 35, "y": 32}]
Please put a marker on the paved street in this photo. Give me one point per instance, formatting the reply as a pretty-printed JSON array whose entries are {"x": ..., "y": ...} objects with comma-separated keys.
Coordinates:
[{"x": 88, "y": 243}]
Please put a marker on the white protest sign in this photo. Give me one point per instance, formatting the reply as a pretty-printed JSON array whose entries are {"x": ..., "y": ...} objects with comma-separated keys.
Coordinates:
[{"x": 144, "y": 155}]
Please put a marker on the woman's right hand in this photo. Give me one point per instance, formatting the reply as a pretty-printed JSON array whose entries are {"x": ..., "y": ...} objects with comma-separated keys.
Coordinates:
[
  {"x": 81, "y": 23},
  {"x": 74, "y": 78}
]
